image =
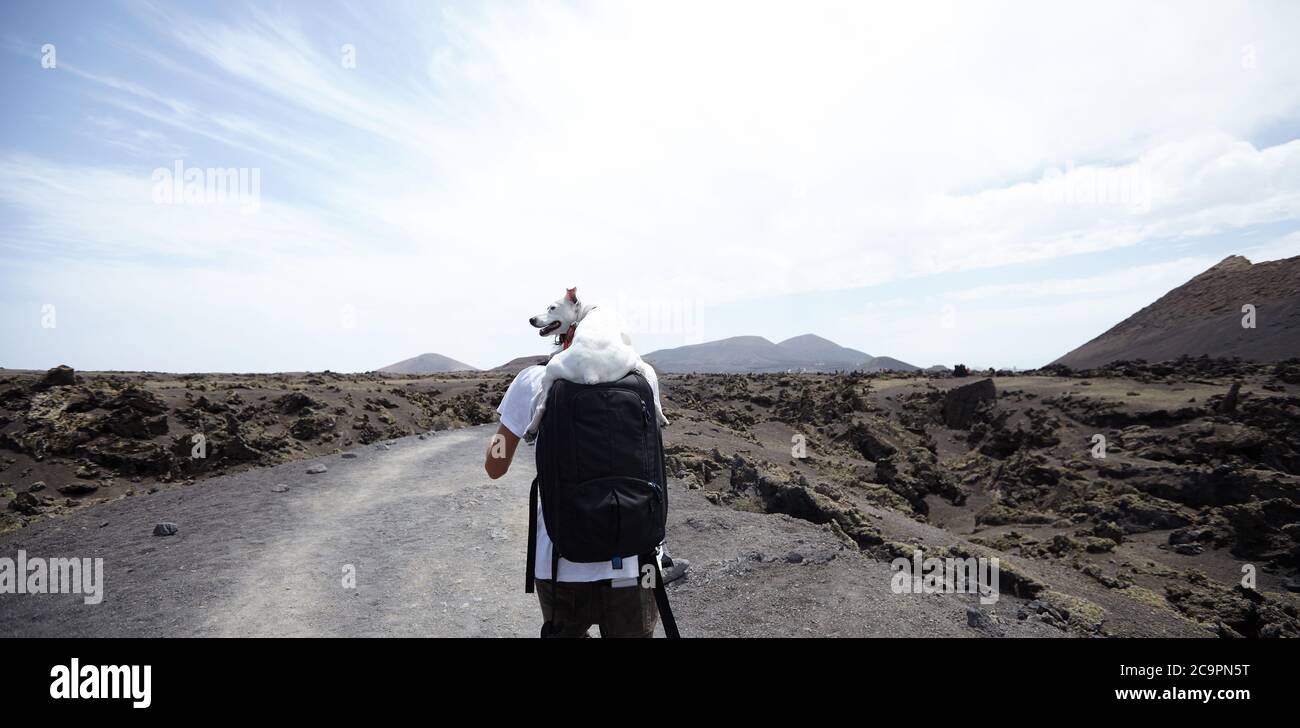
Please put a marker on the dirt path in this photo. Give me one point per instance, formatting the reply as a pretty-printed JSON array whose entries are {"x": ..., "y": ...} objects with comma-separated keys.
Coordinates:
[{"x": 437, "y": 550}]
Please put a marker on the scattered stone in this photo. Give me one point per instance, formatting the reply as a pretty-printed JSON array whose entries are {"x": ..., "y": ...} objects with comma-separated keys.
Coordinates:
[
  {"x": 1245, "y": 611},
  {"x": 316, "y": 469},
  {"x": 280, "y": 488},
  {"x": 870, "y": 444},
  {"x": 138, "y": 400},
  {"x": 961, "y": 404},
  {"x": 348, "y": 455},
  {"x": 794, "y": 557},
  {"x": 294, "y": 403},
  {"x": 310, "y": 427},
  {"x": 36, "y": 487},
  {"x": 60, "y": 376},
  {"x": 1097, "y": 545},
  {"x": 136, "y": 415},
  {"x": 166, "y": 529},
  {"x": 26, "y": 504},
  {"x": 1110, "y": 530},
  {"x": 79, "y": 488},
  {"x": 1229, "y": 403},
  {"x": 1191, "y": 534},
  {"x": 238, "y": 450},
  {"x": 982, "y": 622}
]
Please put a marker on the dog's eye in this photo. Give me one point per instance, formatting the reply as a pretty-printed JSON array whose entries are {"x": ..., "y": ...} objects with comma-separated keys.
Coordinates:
[{"x": 552, "y": 308}]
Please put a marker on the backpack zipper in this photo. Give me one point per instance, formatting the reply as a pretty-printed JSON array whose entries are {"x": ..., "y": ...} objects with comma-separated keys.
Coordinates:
[{"x": 645, "y": 420}]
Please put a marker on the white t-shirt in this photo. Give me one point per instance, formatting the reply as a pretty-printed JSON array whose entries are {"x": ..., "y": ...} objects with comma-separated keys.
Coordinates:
[{"x": 516, "y": 412}]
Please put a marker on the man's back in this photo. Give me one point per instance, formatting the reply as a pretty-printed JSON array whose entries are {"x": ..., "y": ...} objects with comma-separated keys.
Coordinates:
[{"x": 574, "y": 594}]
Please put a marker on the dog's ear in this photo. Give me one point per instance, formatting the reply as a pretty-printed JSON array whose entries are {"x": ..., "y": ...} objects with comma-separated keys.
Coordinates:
[{"x": 572, "y": 294}]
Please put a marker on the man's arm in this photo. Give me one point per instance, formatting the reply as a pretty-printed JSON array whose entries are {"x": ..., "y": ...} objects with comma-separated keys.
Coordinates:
[
  {"x": 500, "y": 452},
  {"x": 516, "y": 410}
]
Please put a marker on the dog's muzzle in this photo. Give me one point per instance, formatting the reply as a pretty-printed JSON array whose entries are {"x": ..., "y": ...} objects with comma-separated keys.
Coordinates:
[{"x": 545, "y": 328}]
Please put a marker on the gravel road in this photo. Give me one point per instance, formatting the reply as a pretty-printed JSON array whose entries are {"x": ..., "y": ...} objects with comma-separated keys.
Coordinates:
[{"x": 437, "y": 549}]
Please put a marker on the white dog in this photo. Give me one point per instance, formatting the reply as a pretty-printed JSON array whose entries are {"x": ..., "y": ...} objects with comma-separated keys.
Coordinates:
[{"x": 594, "y": 349}]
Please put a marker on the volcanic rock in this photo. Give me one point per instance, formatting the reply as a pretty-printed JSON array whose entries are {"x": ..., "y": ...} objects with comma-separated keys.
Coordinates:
[
  {"x": 78, "y": 488},
  {"x": 60, "y": 376},
  {"x": 961, "y": 404},
  {"x": 26, "y": 504}
]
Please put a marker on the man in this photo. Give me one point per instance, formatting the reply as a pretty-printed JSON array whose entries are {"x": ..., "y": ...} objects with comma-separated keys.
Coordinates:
[{"x": 583, "y": 594}]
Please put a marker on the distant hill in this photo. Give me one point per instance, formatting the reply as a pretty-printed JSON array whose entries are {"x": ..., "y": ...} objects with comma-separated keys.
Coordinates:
[
  {"x": 514, "y": 366},
  {"x": 824, "y": 352},
  {"x": 736, "y": 354},
  {"x": 1204, "y": 317},
  {"x": 888, "y": 364},
  {"x": 427, "y": 364},
  {"x": 755, "y": 354}
]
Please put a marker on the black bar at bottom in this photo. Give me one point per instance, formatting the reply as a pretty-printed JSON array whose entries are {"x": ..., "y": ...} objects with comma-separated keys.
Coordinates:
[{"x": 236, "y": 676}]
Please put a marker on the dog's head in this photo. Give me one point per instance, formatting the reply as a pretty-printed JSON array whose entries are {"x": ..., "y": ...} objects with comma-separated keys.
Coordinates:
[{"x": 559, "y": 316}]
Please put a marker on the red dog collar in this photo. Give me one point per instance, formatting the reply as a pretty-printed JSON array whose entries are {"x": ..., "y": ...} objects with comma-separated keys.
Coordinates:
[{"x": 568, "y": 336}]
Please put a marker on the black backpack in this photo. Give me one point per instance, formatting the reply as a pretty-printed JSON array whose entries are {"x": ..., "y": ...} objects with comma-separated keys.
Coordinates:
[{"x": 600, "y": 472}]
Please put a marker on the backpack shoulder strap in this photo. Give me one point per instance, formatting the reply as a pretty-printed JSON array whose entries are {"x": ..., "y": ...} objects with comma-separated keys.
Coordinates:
[
  {"x": 661, "y": 598},
  {"x": 530, "y": 570}
]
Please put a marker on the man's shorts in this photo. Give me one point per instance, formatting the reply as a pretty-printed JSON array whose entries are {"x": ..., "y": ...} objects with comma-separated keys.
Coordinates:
[{"x": 570, "y": 608}]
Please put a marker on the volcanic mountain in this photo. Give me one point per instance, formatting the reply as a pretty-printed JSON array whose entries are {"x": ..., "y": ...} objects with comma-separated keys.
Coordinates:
[
  {"x": 755, "y": 354},
  {"x": 427, "y": 364},
  {"x": 518, "y": 364},
  {"x": 1207, "y": 316}
]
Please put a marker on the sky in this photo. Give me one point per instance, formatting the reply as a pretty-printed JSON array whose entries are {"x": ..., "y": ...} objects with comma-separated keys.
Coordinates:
[{"x": 991, "y": 183}]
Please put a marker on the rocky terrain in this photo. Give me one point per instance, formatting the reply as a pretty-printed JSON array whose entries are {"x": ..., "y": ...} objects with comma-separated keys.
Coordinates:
[
  {"x": 70, "y": 439},
  {"x": 1197, "y": 478},
  {"x": 1204, "y": 317},
  {"x": 1132, "y": 499}
]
